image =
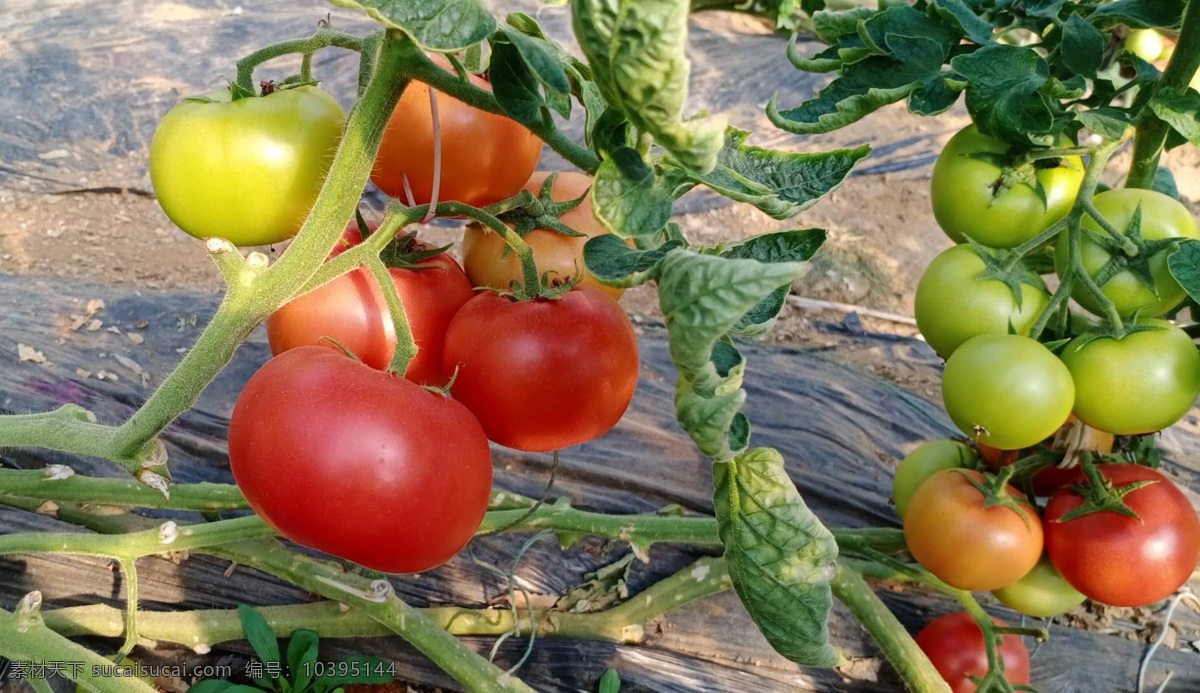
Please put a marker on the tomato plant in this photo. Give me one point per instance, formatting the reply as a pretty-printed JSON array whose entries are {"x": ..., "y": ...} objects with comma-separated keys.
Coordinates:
[
  {"x": 1116, "y": 558},
  {"x": 955, "y": 645},
  {"x": 955, "y": 300},
  {"x": 971, "y": 535},
  {"x": 978, "y": 194},
  {"x": 545, "y": 374},
  {"x": 922, "y": 463},
  {"x": 489, "y": 261},
  {"x": 1041, "y": 593},
  {"x": 1007, "y": 391},
  {"x": 247, "y": 170},
  {"x": 316, "y": 429}
]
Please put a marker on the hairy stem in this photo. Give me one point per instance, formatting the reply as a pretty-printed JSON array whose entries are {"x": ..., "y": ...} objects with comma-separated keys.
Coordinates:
[
  {"x": 406, "y": 346},
  {"x": 324, "y": 38}
]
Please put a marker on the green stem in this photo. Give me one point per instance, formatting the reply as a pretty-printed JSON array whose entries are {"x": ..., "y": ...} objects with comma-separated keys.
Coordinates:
[
  {"x": 35, "y": 483},
  {"x": 1127, "y": 245},
  {"x": 910, "y": 663},
  {"x": 1036, "y": 242},
  {"x": 168, "y": 537},
  {"x": 1061, "y": 295},
  {"x": 1052, "y": 153},
  {"x": 324, "y": 38},
  {"x": 406, "y": 346},
  {"x": 129, "y": 569},
  {"x": 1075, "y": 252},
  {"x": 1152, "y": 131}
]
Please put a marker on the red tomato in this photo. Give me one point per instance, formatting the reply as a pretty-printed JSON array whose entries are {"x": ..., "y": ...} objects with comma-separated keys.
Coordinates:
[
  {"x": 359, "y": 463},
  {"x": 543, "y": 375},
  {"x": 485, "y": 157},
  {"x": 1115, "y": 559},
  {"x": 954, "y": 644},
  {"x": 351, "y": 310}
]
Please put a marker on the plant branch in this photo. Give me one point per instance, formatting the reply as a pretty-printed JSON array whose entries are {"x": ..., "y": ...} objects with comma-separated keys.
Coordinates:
[
  {"x": 324, "y": 38},
  {"x": 406, "y": 346}
]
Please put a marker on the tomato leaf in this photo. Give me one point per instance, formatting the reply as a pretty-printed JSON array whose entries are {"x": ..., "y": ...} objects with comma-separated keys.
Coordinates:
[
  {"x": 541, "y": 59},
  {"x": 709, "y": 419},
  {"x": 1139, "y": 14},
  {"x": 780, "y": 184},
  {"x": 780, "y": 557},
  {"x": 972, "y": 25},
  {"x": 259, "y": 634},
  {"x": 1164, "y": 182},
  {"x": 784, "y": 246},
  {"x": 703, "y": 297},
  {"x": 829, "y": 26},
  {"x": 626, "y": 197},
  {"x": 610, "y": 682},
  {"x": 1180, "y": 110},
  {"x": 301, "y": 656},
  {"x": 1082, "y": 46},
  {"x": 614, "y": 263},
  {"x": 515, "y": 86},
  {"x": 1105, "y": 121},
  {"x": 1005, "y": 96},
  {"x": 437, "y": 25},
  {"x": 636, "y": 49},
  {"x": 1185, "y": 267},
  {"x": 1043, "y": 8}
]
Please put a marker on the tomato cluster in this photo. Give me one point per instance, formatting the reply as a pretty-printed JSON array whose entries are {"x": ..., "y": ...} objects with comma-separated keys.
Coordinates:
[{"x": 399, "y": 464}]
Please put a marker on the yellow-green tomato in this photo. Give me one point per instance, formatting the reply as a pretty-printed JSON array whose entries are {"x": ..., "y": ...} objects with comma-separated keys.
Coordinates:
[
  {"x": 246, "y": 170},
  {"x": 1146, "y": 44},
  {"x": 973, "y": 198},
  {"x": 1140, "y": 383},
  {"x": 928, "y": 459},
  {"x": 1042, "y": 593},
  {"x": 1007, "y": 391},
  {"x": 1162, "y": 217},
  {"x": 953, "y": 303}
]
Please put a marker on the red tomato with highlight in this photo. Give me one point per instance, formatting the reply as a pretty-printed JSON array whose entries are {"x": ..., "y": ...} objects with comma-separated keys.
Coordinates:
[
  {"x": 351, "y": 310},
  {"x": 954, "y": 644},
  {"x": 359, "y": 463},
  {"x": 543, "y": 375},
  {"x": 1118, "y": 560}
]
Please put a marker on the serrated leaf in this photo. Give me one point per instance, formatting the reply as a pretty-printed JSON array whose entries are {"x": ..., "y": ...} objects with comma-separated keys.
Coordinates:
[
  {"x": 780, "y": 184},
  {"x": 1139, "y": 14},
  {"x": 1180, "y": 110},
  {"x": 301, "y": 655},
  {"x": 614, "y": 263},
  {"x": 703, "y": 296},
  {"x": 830, "y": 26},
  {"x": 972, "y": 25},
  {"x": 626, "y": 197},
  {"x": 1185, "y": 267},
  {"x": 1082, "y": 46},
  {"x": 515, "y": 86},
  {"x": 637, "y": 51},
  {"x": 865, "y": 86},
  {"x": 779, "y": 556},
  {"x": 1107, "y": 122},
  {"x": 1164, "y": 182},
  {"x": 438, "y": 25},
  {"x": 784, "y": 246},
  {"x": 1004, "y": 93},
  {"x": 259, "y": 634},
  {"x": 541, "y": 59}
]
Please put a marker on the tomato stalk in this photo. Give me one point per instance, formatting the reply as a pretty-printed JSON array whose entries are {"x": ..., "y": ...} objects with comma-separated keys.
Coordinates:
[
  {"x": 325, "y": 37},
  {"x": 1152, "y": 131},
  {"x": 406, "y": 347}
]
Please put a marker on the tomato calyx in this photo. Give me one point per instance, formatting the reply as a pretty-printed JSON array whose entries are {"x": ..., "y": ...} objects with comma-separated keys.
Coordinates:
[
  {"x": 527, "y": 212},
  {"x": 1100, "y": 494},
  {"x": 341, "y": 347},
  {"x": 1107, "y": 331},
  {"x": 1006, "y": 267},
  {"x": 1120, "y": 261},
  {"x": 548, "y": 288},
  {"x": 995, "y": 493},
  {"x": 406, "y": 253},
  {"x": 1015, "y": 171}
]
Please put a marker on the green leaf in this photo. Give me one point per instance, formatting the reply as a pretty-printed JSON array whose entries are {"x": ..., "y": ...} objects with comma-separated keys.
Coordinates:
[
  {"x": 972, "y": 25},
  {"x": 259, "y": 634},
  {"x": 1105, "y": 121},
  {"x": 614, "y": 263},
  {"x": 1082, "y": 46},
  {"x": 301, "y": 656},
  {"x": 708, "y": 418},
  {"x": 780, "y": 557},
  {"x": 539, "y": 55},
  {"x": 636, "y": 49},
  {"x": 784, "y": 246},
  {"x": 1139, "y": 14},
  {"x": 515, "y": 86},
  {"x": 830, "y": 26},
  {"x": 359, "y": 669},
  {"x": 1043, "y": 8},
  {"x": 780, "y": 184},
  {"x": 1164, "y": 182},
  {"x": 610, "y": 682},
  {"x": 437, "y": 25},
  {"x": 588, "y": 94},
  {"x": 1004, "y": 95},
  {"x": 739, "y": 433},
  {"x": 866, "y": 86},
  {"x": 1185, "y": 267},
  {"x": 702, "y": 297},
  {"x": 1180, "y": 110},
  {"x": 626, "y": 197}
]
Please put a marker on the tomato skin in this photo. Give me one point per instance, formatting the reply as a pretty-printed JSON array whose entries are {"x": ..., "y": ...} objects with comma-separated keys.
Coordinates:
[
  {"x": 1146, "y": 44},
  {"x": 1115, "y": 559},
  {"x": 953, "y": 304},
  {"x": 352, "y": 310},
  {"x": 1007, "y": 391},
  {"x": 951, "y": 533},
  {"x": 485, "y": 157},
  {"x": 488, "y": 264},
  {"x": 925, "y": 461},
  {"x": 543, "y": 375},
  {"x": 246, "y": 170},
  {"x": 1041, "y": 593},
  {"x": 964, "y": 203},
  {"x": 1162, "y": 217},
  {"x": 954, "y": 644},
  {"x": 325, "y": 449},
  {"x": 1141, "y": 383}
]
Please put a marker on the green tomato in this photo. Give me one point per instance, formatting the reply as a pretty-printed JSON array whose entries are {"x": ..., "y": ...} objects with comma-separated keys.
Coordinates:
[
  {"x": 1140, "y": 383},
  {"x": 1162, "y": 217},
  {"x": 1146, "y": 44},
  {"x": 953, "y": 304},
  {"x": 1007, "y": 391},
  {"x": 1042, "y": 593},
  {"x": 246, "y": 170},
  {"x": 967, "y": 201},
  {"x": 928, "y": 459}
]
